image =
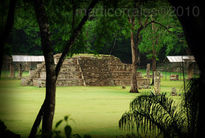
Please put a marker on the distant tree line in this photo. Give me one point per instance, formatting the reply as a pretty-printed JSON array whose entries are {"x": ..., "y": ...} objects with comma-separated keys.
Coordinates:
[{"x": 101, "y": 34}]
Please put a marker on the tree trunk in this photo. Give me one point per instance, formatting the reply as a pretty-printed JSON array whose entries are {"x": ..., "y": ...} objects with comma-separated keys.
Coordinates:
[
  {"x": 154, "y": 62},
  {"x": 154, "y": 66},
  {"x": 12, "y": 71},
  {"x": 20, "y": 71},
  {"x": 49, "y": 103},
  {"x": 7, "y": 28},
  {"x": 49, "y": 108},
  {"x": 134, "y": 88},
  {"x": 52, "y": 71},
  {"x": 194, "y": 28}
]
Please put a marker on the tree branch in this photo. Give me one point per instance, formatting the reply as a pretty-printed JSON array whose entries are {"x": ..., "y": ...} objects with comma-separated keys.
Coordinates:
[
  {"x": 163, "y": 26},
  {"x": 73, "y": 37},
  {"x": 146, "y": 21}
]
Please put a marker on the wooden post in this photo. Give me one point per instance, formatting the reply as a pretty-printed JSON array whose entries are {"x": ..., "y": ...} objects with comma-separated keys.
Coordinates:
[
  {"x": 148, "y": 71},
  {"x": 157, "y": 82},
  {"x": 20, "y": 71},
  {"x": 28, "y": 66},
  {"x": 12, "y": 70},
  {"x": 190, "y": 70}
]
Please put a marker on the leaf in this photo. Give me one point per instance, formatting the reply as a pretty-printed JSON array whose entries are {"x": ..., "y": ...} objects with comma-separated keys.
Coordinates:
[
  {"x": 66, "y": 118},
  {"x": 58, "y": 123},
  {"x": 171, "y": 29},
  {"x": 68, "y": 131}
]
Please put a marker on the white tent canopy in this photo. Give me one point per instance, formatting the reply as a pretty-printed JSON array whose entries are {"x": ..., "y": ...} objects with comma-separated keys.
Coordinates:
[
  {"x": 25, "y": 58},
  {"x": 178, "y": 59}
]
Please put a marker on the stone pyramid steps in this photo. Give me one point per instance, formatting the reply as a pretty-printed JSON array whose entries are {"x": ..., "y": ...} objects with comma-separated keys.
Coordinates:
[
  {"x": 88, "y": 71},
  {"x": 29, "y": 80}
]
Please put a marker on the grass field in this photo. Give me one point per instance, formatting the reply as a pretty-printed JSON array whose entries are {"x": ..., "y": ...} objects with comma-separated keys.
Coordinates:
[{"x": 95, "y": 110}]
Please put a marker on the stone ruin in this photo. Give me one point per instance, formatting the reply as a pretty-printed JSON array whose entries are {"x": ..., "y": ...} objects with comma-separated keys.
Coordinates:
[
  {"x": 87, "y": 70},
  {"x": 174, "y": 91},
  {"x": 157, "y": 76}
]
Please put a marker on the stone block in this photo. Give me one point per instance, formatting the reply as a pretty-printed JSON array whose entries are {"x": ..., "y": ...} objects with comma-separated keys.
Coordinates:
[
  {"x": 90, "y": 71},
  {"x": 23, "y": 81},
  {"x": 174, "y": 92},
  {"x": 43, "y": 75}
]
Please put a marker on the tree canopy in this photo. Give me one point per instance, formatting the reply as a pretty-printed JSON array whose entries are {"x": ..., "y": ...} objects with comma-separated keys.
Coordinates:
[{"x": 106, "y": 31}]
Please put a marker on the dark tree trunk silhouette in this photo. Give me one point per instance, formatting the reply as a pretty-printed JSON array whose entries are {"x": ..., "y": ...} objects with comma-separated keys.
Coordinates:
[
  {"x": 48, "y": 107},
  {"x": 49, "y": 104},
  {"x": 7, "y": 29},
  {"x": 194, "y": 28}
]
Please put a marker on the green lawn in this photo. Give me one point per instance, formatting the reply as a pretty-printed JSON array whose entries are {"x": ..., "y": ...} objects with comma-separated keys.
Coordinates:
[{"x": 95, "y": 110}]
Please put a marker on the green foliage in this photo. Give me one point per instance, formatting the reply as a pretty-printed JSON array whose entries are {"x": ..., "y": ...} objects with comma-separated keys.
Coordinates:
[
  {"x": 158, "y": 115},
  {"x": 62, "y": 21},
  {"x": 4, "y": 6},
  {"x": 153, "y": 115},
  {"x": 171, "y": 42},
  {"x": 67, "y": 129},
  {"x": 191, "y": 104},
  {"x": 102, "y": 33},
  {"x": 106, "y": 31},
  {"x": 111, "y": 31},
  {"x": 25, "y": 38},
  {"x": 58, "y": 123}
]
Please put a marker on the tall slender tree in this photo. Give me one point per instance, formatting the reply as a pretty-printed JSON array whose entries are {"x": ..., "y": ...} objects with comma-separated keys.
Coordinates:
[
  {"x": 48, "y": 108},
  {"x": 134, "y": 47},
  {"x": 159, "y": 35}
]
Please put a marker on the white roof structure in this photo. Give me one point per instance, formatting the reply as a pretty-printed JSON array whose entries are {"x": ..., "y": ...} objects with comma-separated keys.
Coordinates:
[
  {"x": 178, "y": 59},
  {"x": 24, "y": 58}
]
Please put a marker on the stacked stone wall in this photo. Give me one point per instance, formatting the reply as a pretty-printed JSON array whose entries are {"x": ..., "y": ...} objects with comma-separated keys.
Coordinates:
[
  {"x": 96, "y": 72},
  {"x": 90, "y": 71}
]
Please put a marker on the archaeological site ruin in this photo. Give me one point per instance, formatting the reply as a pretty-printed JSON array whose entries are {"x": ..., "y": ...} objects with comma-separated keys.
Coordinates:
[{"x": 88, "y": 70}]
